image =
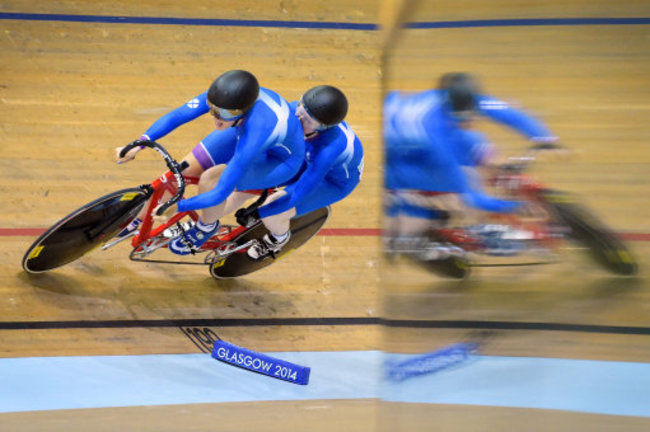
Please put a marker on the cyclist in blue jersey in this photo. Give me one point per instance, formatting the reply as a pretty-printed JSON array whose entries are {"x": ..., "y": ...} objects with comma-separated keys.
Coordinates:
[
  {"x": 257, "y": 145},
  {"x": 432, "y": 153},
  {"x": 332, "y": 169}
]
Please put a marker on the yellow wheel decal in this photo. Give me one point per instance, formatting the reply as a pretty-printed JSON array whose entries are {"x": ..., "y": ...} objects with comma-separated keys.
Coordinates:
[
  {"x": 36, "y": 252},
  {"x": 284, "y": 254},
  {"x": 625, "y": 256},
  {"x": 129, "y": 196},
  {"x": 558, "y": 198}
]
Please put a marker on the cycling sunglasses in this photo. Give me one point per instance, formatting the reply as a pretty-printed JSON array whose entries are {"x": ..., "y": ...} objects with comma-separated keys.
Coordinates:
[
  {"x": 225, "y": 114},
  {"x": 302, "y": 110}
]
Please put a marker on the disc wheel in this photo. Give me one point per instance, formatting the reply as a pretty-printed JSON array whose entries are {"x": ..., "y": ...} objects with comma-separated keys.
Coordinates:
[
  {"x": 587, "y": 230},
  {"x": 239, "y": 264},
  {"x": 84, "y": 229}
]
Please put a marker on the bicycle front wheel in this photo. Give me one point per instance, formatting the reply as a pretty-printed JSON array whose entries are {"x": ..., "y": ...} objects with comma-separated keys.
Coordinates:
[
  {"x": 84, "y": 229},
  {"x": 586, "y": 229}
]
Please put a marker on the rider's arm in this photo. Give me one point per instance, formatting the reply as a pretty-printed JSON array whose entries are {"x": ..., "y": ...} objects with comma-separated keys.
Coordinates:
[
  {"x": 181, "y": 115},
  {"x": 475, "y": 197},
  {"x": 310, "y": 178},
  {"x": 472, "y": 148},
  {"x": 245, "y": 153},
  {"x": 456, "y": 179},
  {"x": 472, "y": 194},
  {"x": 517, "y": 119}
]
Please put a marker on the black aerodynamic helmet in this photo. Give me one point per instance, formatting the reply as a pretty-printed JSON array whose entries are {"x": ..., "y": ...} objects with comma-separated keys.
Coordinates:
[
  {"x": 233, "y": 93},
  {"x": 325, "y": 104},
  {"x": 462, "y": 91}
]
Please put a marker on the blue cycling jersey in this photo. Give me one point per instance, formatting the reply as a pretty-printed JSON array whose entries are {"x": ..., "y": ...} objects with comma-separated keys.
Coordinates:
[
  {"x": 426, "y": 149},
  {"x": 267, "y": 146},
  {"x": 333, "y": 167}
]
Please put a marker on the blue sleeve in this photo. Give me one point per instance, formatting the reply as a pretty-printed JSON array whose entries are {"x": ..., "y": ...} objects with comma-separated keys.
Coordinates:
[
  {"x": 247, "y": 149},
  {"x": 473, "y": 196},
  {"x": 470, "y": 147},
  {"x": 181, "y": 115},
  {"x": 515, "y": 118},
  {"x": 479, "y": 200},
  {"x": 312, "y": 176},
  {"x": 278, "y": 206},
  {"x": 450, "y": 169}
]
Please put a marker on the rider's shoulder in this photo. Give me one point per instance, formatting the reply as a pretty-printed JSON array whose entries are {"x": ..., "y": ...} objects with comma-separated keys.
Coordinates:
[
  {"x": 268, "y": 103},
  {"x": 269, "y": 96},
  {"x": 491, "y": 103}
]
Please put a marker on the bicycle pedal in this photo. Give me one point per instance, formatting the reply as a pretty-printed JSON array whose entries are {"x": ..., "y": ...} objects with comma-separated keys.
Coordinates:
[{"x": 151, "y": 246}]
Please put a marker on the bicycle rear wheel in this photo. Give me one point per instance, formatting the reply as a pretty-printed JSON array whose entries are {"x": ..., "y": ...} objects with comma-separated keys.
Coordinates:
[
  {"x": 238, "y": 264},
  {"x": 84, "y": 229},
  {"x": 586, "y": 229},
  {"x": 454, "y": 267}
]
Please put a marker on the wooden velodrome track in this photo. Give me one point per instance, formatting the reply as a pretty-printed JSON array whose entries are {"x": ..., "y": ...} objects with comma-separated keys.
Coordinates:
[{"x": 73, "y": 91}]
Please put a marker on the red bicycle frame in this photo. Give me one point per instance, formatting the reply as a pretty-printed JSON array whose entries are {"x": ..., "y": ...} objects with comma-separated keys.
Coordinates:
[
  {"x": 527, "y": 190},
  {"x": 160, "y": 186}
]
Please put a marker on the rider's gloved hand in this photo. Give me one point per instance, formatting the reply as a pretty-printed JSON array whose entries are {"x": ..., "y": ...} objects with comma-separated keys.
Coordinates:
[
  {"x": 548, "y": 149},
  {"x": 484, "y": 202},
  {"x": 130, "y": 155},
  {"x": 166, "y": 215},
  {"x": 246, "y": 217},
  {"x": 545, "y": 145}
]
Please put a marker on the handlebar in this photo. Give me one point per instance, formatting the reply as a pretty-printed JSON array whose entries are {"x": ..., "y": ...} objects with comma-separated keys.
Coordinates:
[
  {"x": 516, "y": 165},
  {"x": 175, "y": 167}
]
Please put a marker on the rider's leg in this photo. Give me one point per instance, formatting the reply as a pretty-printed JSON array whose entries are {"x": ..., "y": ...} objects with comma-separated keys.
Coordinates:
[
  {"x": 421, "y": 215},
  {"x": 279, "y": 226},
  {"x": 207, "y": 182},
  {"x": 321, "y": 195},
  {"x": 237, "y": 200},
  {"x": 418, "y": 211},
  {"x": 208, "y": 223},
  {"x": 211, "y": 154}
]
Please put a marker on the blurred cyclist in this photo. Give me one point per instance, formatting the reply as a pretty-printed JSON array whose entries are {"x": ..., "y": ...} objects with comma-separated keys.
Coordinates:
[{"x": 432, "y": 153}]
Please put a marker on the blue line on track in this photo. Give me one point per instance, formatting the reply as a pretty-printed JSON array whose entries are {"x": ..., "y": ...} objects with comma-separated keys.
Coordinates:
[
  {"x": 529, "y": 22},
  {"x": 320, "y": 24},
  {"x": 216, "y": 22}
]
